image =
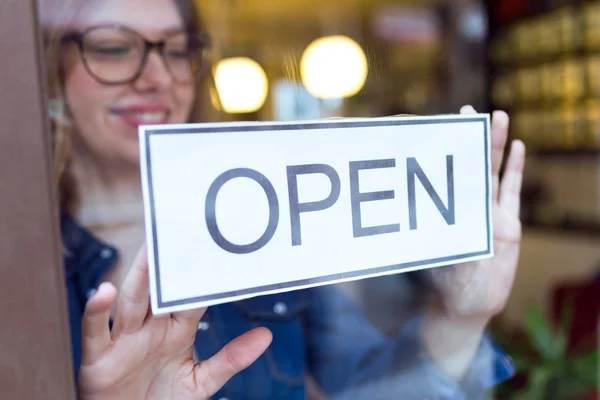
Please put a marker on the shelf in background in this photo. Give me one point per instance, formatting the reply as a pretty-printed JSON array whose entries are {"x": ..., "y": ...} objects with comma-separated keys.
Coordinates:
[
  {"x": 579, "y": 53},
  {"x": 574, "y": 154},
  {"x": 588, "y": 228},
  {"x": 556, "y": 104}
]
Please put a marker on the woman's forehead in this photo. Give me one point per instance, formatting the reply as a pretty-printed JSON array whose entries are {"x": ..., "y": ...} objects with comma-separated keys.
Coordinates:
[{"x": 146, "y": 16}]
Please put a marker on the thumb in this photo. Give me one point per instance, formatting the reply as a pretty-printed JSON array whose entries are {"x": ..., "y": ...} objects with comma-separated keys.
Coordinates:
[{"x": 212, "y": 374}]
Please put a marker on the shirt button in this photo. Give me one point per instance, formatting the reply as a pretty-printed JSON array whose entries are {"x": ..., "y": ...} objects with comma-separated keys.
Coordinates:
[
  {"x": 280, "y": 308},
  {"x": 203, "y": 326},
  {"x": 223, "y": 398},
  {"x": 106, "y": 253}
]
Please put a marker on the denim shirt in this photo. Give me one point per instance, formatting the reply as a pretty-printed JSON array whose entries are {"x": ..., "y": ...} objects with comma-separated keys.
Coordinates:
[{"x": 317, "y": 332}]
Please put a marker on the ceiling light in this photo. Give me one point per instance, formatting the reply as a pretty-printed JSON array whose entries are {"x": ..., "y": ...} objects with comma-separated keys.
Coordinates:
[
  {"x": 334, "y": 67},
  {"x": 242, "y": 85}
]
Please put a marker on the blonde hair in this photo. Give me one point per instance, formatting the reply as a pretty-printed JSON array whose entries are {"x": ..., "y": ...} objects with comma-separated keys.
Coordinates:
[{"x": 57, "y": 17}]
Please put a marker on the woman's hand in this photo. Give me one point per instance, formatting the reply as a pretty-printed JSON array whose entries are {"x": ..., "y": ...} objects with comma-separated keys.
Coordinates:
[
  {"x": 474, "y": 292},
  {"x": 479, "y": 289},
  {"x": 148, "y": 357}
]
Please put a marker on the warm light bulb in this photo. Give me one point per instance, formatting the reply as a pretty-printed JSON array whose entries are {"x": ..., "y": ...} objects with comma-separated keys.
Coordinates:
[
  {"x": 242, "y": 85},
  {"x": 334, "y": 67}
]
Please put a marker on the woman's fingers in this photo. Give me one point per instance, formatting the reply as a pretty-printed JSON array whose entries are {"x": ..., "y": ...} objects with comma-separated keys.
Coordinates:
[
  {"x": 240, "y": 353},
  {"x": 499, "y": 136},
  {"x": 467, "y": 110},
  {"x": 510, "y": 191},
  {"x": 95, "y": 332},
  {"x": 189, "y": 319},
  {"x": 134, "y": 298},
  {"x": 499, "y": 128}
]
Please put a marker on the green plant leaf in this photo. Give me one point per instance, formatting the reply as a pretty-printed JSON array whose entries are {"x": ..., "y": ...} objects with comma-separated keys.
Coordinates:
[
  {"x": 520, "y": 396},
  {"x": 590, "y": 361},
  {"x": 566, "y": 315},
  {"x": 522, "y": 363},
  {"x": 582, "y": 377},
  {"x": 558, "y": 347},
  {"x": 585, "y": 368},
  {"x": 573, "y": 388},
  {"x": 539, "y": 331},
  {"x": 537, "y": 384}
]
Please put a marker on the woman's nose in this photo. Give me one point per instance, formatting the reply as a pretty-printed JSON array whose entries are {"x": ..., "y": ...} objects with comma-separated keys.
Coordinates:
[{"x": 155, "y": 73}]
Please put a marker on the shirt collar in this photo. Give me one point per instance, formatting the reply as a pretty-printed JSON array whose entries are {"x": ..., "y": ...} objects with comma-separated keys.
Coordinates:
[{"x": 86, "y": 258}]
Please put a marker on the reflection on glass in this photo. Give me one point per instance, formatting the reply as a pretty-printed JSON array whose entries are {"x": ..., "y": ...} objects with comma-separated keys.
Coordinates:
[
  {"x": 117, "y": 64},
  {"x": 241, "y": 84},
  {"x": 334, "y": 67}
]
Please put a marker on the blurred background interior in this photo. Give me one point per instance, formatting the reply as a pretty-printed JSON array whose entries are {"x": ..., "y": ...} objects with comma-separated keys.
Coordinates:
[{"x": 537, "y": 59}]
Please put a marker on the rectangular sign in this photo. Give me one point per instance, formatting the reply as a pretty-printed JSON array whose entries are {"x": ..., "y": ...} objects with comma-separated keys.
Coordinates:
[{"x": 240, "y": 210}]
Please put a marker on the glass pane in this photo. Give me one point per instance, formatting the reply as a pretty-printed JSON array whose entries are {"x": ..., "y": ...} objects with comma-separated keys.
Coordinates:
[{"x": 437, "y": 325}]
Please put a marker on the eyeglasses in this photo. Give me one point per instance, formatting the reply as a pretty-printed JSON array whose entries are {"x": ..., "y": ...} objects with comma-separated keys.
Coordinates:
[{"x": 115, "y": 54}]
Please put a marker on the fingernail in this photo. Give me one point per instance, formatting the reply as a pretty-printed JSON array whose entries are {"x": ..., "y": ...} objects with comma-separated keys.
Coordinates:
[
  {"x": 500, "y": 116},
  {"x": 467, "y": 108},
  {"x": 517, "y": 143}
]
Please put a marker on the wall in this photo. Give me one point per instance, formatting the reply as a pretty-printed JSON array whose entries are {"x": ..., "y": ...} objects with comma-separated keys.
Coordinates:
[
  {"x": 571, "y": 186},
  {"x": 548, "y": 258}
]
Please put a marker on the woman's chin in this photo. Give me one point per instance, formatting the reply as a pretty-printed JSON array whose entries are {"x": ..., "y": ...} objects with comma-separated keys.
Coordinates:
[{"x": 126, "y": 157}]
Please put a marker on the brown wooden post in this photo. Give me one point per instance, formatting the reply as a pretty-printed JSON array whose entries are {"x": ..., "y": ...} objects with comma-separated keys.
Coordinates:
[{"x": 35, "y": 352}]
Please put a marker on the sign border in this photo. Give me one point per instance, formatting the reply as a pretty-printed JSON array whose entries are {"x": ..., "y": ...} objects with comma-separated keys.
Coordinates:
[{"x": 194, "y": 129}]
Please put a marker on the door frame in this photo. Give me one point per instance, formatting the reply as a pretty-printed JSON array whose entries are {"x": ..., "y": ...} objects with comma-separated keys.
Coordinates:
[{"x": 35, "y": 349}]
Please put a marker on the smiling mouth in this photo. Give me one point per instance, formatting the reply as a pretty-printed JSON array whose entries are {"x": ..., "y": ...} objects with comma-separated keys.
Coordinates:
[{"x": 142, "y": 117}]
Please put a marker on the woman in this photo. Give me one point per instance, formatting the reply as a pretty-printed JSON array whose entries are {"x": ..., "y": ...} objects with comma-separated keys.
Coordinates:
[{"x": 116, "y": 64}]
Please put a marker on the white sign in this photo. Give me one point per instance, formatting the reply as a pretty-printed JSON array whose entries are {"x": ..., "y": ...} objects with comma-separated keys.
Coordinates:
[{"x": 240, "y": 210}]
